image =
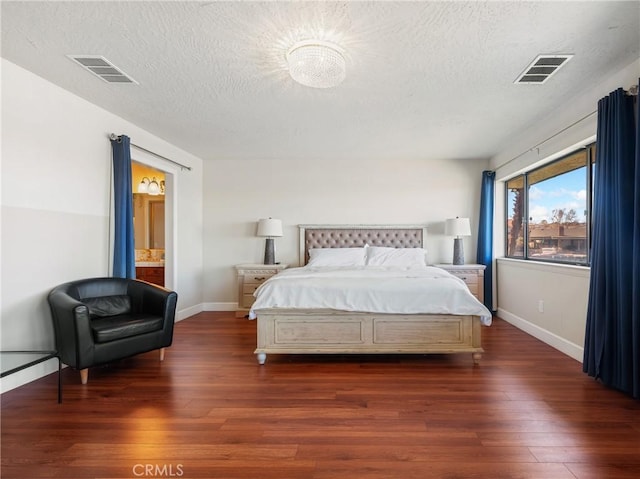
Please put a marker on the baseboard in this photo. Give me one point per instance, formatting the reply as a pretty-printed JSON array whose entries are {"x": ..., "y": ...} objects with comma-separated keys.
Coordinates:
[
  {"x": 219, "y": 306},
  {"x": 187, "y": 312},
  {"x": 567, "y": 347},
  {"x": 198, "y": 308}
]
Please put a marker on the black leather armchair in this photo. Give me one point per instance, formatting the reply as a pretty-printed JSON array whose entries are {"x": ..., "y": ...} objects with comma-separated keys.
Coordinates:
[{"x": 99, "y": 320}]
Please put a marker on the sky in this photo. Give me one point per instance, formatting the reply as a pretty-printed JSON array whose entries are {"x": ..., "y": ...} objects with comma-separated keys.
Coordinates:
[{"x": 564, "y": 191}]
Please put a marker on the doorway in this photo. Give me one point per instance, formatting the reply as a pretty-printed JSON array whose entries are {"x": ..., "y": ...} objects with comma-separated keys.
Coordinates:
[{"x": 149, "y": 187}]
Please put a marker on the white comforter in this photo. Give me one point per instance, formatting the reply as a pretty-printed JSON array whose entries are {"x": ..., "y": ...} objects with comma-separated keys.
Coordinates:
[{"x": 370, "y": 289}]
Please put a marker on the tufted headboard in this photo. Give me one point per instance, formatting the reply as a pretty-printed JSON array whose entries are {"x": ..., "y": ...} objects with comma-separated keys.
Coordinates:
[{"x": 354, "y": 236}]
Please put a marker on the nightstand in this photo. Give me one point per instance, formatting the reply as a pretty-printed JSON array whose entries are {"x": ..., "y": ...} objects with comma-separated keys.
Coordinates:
[
  {"x": 250, "y": 276},
  {"x": 471, "y": 274}
]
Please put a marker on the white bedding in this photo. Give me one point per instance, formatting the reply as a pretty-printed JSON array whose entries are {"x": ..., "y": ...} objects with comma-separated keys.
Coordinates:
[{"x": 372, "y": 289}]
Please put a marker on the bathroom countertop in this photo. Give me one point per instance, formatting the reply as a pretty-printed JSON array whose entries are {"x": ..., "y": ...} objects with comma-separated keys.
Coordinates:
[{"x": 155, "y": 264}]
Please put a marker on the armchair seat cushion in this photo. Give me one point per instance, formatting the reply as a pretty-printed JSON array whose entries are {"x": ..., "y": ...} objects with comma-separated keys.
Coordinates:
[{"x": 112, "y": 328}]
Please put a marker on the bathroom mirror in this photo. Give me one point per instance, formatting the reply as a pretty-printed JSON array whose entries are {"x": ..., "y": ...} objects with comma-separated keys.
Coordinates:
[{"x": 148, "y": 221}]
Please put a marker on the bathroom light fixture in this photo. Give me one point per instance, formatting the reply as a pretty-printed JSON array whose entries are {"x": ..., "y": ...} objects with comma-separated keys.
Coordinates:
[
  {"x": 151, "y": 187},
  {"x": 154, "y": 188},
  {"x": 316, "y": 63},
  {"x": 270, "y": 228},
  {"x": 457, "y": 227},
  {"x": 143, "y": 187}
]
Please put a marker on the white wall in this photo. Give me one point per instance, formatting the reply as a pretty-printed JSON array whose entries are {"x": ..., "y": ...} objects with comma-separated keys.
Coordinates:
[
  {"x": 563, "y": 289},
  {"x": 55, "y": 200},
  {"x": 237, "y": 194},
  {"x": 547, "y": 301}
]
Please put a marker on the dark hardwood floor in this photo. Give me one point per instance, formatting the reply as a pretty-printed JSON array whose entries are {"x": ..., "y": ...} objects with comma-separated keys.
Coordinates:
[{"x": 210, "y": 411}]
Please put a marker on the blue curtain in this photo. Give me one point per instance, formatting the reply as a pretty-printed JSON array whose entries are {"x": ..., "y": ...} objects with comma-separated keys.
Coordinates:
[
  {"x": 485, "y": 235},
  {"x": 612, "y": 339},
  {"x": 124, "y": 255},
  {"x": 635, "y": 264}
]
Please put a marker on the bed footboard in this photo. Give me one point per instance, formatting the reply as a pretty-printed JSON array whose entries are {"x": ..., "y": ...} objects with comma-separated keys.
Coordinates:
[{"x": 283, "y": 331}]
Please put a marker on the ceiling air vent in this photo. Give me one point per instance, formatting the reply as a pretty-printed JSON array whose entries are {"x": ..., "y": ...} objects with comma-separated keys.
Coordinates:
[
  {"x": 102, "y": 68},
  {"x": 542, "y": 68}
]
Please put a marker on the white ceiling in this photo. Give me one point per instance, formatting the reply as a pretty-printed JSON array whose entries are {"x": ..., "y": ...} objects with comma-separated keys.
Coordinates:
[{"x": 424, "y": 79}]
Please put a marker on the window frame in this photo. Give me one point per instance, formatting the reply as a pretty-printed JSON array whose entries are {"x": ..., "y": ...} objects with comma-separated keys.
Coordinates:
[{"x": 590, "y": 158}]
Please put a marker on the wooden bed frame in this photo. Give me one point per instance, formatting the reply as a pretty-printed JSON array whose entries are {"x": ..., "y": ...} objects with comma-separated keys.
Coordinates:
[{"x": 313, "y": 331}]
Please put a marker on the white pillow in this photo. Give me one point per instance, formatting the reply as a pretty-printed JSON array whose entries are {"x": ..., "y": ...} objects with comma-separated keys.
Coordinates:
[
  {"x": 399, "y": 257},
  {"x": 336, "y": 257}
]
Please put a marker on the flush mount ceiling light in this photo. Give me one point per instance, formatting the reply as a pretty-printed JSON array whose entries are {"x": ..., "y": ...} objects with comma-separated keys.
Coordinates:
[{"x": 316, "y": 63}]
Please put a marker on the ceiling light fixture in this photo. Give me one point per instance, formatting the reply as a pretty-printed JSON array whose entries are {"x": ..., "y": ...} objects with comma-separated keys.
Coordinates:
[{"x": 316, "y": 63}]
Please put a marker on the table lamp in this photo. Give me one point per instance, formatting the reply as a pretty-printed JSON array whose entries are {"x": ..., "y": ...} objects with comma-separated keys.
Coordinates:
[
  {"x": 457, "y": 227},
  {"x": 269, "y": 228}
]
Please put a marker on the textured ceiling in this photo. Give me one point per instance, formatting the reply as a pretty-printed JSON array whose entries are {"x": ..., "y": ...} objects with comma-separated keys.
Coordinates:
[{"x": 424, "y": 79}]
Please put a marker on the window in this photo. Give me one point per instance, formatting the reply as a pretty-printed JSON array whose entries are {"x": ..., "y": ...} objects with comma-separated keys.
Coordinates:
[
  {"x": 549, "y": 208},
  {"x": 515, "y": 232}
]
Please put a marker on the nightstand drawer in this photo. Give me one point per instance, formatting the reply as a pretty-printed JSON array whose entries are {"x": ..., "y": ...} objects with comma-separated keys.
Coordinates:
[
  {"x": 247, "y": 300},
  {"x": 468, "y": 277},
  {"x": 250, "y": 288},
  {"x": 256, "y": 278}
]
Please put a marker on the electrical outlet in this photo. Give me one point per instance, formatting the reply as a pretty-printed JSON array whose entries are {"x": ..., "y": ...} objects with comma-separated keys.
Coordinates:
[{"x": 540, "y": 306}]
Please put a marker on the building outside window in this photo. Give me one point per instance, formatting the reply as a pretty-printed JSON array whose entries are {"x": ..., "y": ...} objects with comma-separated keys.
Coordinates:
[{"x": 549, "y": 208}]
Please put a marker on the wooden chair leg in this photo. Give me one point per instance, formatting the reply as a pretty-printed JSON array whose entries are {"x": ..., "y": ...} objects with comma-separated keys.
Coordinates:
[
  {"x": 161, "y": 354},
  {"x": 84, "y": 375}
]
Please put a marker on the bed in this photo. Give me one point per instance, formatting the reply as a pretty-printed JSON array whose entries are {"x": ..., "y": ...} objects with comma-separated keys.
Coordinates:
[{"x": 294, "y": 318}]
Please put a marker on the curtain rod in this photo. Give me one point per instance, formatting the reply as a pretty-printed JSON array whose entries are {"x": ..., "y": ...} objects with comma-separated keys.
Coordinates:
[
  {"x": 535, "y": 147},
  {"x": 632, "y": 91},
  {"x": 113, "y": 136}
]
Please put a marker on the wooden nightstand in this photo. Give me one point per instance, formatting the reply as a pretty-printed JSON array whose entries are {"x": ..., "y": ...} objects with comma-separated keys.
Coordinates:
[
  {"x": 472, "y": 274},
  {"x": 250, "y": 276}
]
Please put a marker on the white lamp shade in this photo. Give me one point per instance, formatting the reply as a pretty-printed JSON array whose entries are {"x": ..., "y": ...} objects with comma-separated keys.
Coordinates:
[
  {"x": 143, "y": 186},
  {"x": 269, "y": 227},
  {"x": 154, "y": 188},
  {"x": 457, "y": 227}
]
